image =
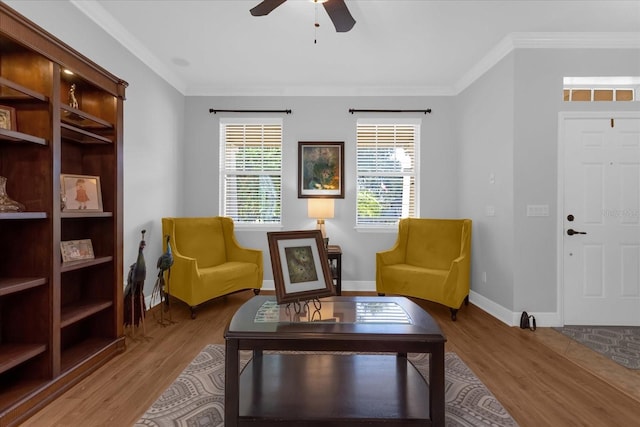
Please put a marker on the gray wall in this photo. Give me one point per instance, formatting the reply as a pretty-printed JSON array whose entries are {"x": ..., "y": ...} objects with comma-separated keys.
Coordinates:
[
  {"x": 324, "y": 119},
  {"x": 485, "y": 135},
  {"x": 509, "y": 127}
]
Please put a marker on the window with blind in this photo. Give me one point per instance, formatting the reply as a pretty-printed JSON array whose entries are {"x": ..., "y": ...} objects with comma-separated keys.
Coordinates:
[
  {"x": 387, "y": 169},
  {"x": 251, "y": 171}
]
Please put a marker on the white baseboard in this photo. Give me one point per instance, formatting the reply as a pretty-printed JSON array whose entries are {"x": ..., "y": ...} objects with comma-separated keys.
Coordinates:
[
  {"x": 493, "y": 308},
  {"x": 359, "y": 286},
  {"x": 511, "y": 318},
  {"x": 268, "y": 285}
]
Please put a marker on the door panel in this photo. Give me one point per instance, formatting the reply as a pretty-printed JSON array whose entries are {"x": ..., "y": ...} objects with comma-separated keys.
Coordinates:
[{"x": 601, "y": 263}]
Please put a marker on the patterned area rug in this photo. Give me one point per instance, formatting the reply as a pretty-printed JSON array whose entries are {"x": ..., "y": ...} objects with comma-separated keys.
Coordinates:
[
  {"x": 619, "y": 343},
  {"x": 196, "y": 398}
]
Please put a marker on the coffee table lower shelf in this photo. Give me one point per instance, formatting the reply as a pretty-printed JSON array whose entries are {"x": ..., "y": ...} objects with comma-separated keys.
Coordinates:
[{"x": 332, "y": 389}]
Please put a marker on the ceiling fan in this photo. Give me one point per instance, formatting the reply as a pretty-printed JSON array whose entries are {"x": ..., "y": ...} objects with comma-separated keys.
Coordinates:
[{"x": 337, "y": 10}]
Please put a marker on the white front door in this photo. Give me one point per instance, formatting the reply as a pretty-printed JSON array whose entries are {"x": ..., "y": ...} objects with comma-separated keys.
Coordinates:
[{"x": 601, "y": 219}]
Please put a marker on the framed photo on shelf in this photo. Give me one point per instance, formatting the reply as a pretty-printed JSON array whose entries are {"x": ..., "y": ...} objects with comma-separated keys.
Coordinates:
[
  {"x": 76, "y": 250},
  {"x": 321, "y": 170},
  {"x": 300, "y": 265},
  {"x": 8, "y": 118},
  {"x": 80, "y": 193}
]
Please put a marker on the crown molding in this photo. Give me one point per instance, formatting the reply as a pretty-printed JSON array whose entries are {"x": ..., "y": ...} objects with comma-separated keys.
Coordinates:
[
  {"x": 499, "y": 51},
  {"x": 546, "y": 41},
  {"x": 576, "y": 40},
  {"x": 94, "y": 11},
  {"x": 320, "y": 91}
]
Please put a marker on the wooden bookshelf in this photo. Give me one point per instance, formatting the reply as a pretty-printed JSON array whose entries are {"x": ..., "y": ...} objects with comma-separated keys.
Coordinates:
[{"x": 58, "y": 321}]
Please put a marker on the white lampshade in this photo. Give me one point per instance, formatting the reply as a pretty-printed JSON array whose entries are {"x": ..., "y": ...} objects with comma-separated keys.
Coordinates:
[{"x": 320, "y": 208}]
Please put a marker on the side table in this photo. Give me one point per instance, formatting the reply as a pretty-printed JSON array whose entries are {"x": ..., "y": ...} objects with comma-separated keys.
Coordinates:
[{"x": 334, "y": 253}]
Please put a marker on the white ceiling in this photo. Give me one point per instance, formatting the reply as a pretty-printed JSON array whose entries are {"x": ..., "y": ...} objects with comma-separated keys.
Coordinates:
[{"x": 397, "y": 47}]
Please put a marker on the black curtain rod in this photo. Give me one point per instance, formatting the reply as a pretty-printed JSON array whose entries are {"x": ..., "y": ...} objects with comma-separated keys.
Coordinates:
[
  {"x": 211, "y": 110},
  {"x": 353, "y": 110}
]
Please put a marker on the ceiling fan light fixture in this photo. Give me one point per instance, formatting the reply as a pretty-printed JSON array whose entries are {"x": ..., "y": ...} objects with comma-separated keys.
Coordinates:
[{"x": 336, "y": 9}]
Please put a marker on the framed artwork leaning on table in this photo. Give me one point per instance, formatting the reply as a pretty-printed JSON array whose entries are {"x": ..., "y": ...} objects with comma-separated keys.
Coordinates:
[{"x": 300, "y": 265}]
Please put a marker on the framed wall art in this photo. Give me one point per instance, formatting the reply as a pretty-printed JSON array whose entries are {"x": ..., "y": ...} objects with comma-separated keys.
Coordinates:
[
  {"x": 76, "y": 250},
  {"x": 300, "y": 265},
  {"x": 7, "y": 118},
  {"x": 321, "y": 169},
  {"x": 80, "y": 193}
]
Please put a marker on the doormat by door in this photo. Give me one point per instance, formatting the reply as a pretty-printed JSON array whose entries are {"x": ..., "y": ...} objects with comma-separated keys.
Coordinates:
[{"x": 619, "y": 343}]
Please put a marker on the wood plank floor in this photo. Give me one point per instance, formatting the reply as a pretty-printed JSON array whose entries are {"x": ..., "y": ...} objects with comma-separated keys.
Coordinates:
[{"x": 531, "y": 373}]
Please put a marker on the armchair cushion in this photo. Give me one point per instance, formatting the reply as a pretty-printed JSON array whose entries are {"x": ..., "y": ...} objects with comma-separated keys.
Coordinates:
[
  {"x": 431, "y": 259},
  {"x": 433, "y": 243},
  {"x": 200, "y": 238}
]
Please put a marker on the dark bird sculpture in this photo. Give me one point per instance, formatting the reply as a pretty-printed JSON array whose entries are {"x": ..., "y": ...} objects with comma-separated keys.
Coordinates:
[
  {"x": 161, "y": 288},
  {"x": 134, "y": 305},
  {"x": 166, "y": 259}
]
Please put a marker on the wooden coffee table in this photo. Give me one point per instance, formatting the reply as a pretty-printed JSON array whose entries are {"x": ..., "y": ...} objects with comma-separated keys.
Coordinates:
[{"x": 376, "y": 386}]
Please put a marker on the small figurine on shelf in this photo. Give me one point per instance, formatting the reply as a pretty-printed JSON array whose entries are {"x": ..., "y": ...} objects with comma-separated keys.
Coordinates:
[
  {"x": 6, "y": 204},
  {"x": 73, "y": 101}
]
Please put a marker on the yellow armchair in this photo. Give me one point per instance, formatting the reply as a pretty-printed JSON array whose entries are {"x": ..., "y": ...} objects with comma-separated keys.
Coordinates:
[
  {"x": 208, "y": 261},
  {"x": 431, "y": 260}
]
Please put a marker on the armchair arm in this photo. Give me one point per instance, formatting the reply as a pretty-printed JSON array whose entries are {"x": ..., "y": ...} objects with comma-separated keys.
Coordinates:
[
  {"x": 235, "y": 251},
  {"x": 456, "y": 286},
  {"x": 391, "y": 256},
  {"x": 458, "y": 260},
  {"x": 184, "y": 272},
  {"x": 397, "y": 253},
  {"x": 240, "y": 253},
  {"x": 252, "y": 256},
  {"x": 181, "y": 262}
]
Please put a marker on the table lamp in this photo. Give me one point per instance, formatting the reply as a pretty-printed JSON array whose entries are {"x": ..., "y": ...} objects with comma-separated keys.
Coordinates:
[{"x": 320, "y": 209}]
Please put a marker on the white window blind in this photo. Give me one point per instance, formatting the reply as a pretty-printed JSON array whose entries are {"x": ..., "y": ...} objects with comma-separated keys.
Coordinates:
[
  {"x": 251, "y": 172},
  {"x": 387, "y": 172}
]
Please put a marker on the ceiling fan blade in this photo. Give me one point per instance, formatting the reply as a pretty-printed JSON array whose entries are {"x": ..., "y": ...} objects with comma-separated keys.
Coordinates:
[
  {"x": 340, "y": 15},
  {"x": 265, "y": 7}
]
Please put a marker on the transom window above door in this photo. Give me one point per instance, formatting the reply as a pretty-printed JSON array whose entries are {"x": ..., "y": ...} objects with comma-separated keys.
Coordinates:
[{"x": 595, "y": 89}]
